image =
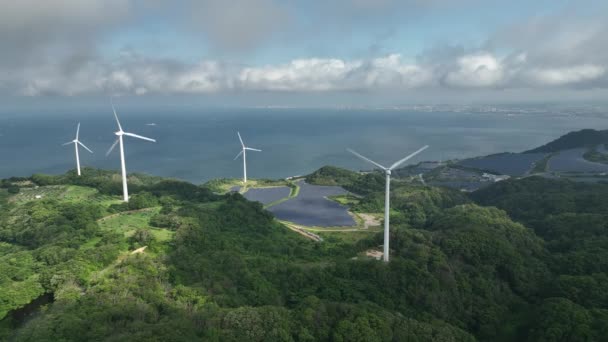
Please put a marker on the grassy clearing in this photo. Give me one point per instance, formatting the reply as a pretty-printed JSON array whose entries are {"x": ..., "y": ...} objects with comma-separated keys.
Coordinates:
[
  {"x": 78, "y": 193},
  {"x": 29, "y": 194},
  {"x": 225, "y": 185},
  {"x": 162, "y": 235},
  {"x": 295, "y": 189},
  {"x": 67, "y": 193},
  {"x": 128, "y": 222},
  {"x": 346, "y": 199},
  {"x": 91, "y": 243}
]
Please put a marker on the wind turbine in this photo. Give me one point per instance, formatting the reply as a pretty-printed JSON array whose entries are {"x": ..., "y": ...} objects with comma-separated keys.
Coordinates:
[
  {"x": 387, "y": 171},
  {"x": 244, "y": 153},
  {"x": 77, "y": 142},
  {"x": 120, "y": 133}
]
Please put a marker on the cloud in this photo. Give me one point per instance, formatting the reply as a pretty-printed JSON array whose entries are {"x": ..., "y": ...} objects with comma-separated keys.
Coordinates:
[
  {"x": 302, "y": 74},
  {"x": 477, "y": 70},
  {"x": 237, "y": 25},
  {"x": 52, "y": 48},
  {"x": 559, "y": 39},
  {"x": 138, "y": 75},
  {"x": 34, "y": 31},
  {"x": 317, "y": 74},
  {"x": 566, "y": 75}
]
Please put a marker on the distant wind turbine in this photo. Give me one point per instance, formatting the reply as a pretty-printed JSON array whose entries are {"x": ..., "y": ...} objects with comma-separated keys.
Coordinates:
[
  {"x": 120, "y": 133},
  {"x": 77, "y": 142},
  {"x": 387, "y": 171},
  {"x": 244, "y": 153}
]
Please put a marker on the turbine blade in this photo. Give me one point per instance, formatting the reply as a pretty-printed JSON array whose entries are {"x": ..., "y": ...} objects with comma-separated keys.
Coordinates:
[
  {"x": 241, "y": 139},
  {"x": 366, "y": 159},
  {"x": 112, "y": 147},
  {"x": 86, "y": 148},
  {"x": 238, "y": 155},
  {"x": 408, "y": 157},
  {"x": 139, "y": 137},
  {"x": 77, "y": 130},
  {"x": 253, "y": 149},
  {"x": 66, "y": 144},
  {"x": 115, "y": 115}
]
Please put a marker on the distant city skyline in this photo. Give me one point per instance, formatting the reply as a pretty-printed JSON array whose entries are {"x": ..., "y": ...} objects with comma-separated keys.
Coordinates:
[{"x": 303, "y": 53}]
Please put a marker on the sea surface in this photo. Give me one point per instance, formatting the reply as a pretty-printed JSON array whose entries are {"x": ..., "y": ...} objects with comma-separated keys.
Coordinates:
[{"x": 198, "y": 145}]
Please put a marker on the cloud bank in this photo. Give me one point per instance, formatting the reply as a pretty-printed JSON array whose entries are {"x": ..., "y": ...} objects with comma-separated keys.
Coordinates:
[
  {"x": 137, "y": 75},
  {"x": 53, "y": 48}
]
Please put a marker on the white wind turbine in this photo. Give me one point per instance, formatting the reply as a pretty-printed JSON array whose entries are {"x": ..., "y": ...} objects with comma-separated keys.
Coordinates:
[
  {"x": 387, "y": 171},
  {"x": 244, "y": 153},
  {"x": 77, "y": 142},
  {"x": 120, "y": 133}
]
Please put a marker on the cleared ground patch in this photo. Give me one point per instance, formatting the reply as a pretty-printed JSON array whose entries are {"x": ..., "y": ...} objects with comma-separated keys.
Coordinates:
[
  {"x": 128, "y": 222},
  {"x": 312, "y": 207},
  {"x": 33, "y": 193},
  {"x": 66, "y": 193}
]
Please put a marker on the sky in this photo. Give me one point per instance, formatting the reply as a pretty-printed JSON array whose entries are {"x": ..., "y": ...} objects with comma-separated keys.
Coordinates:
[{"x": 303, "y": 52}]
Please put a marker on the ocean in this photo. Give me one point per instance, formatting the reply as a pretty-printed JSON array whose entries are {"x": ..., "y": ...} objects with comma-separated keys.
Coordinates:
[{"x": 198, "y": 145}]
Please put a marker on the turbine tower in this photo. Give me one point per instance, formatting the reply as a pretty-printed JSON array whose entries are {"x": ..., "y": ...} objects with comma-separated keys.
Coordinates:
[
  {"x": 244, "y": 153},
  {"x": 120, "y": 133},
  {"x": 387, "y": 171},
  {"x": 77, "y": 142}
]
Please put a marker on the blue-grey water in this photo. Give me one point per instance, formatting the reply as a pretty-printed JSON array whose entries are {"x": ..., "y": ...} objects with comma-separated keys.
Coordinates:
[
  {"x": 312, "y": 208},
  {"x": 573, "y": 161},
  {"x": 198, "y": 145}
]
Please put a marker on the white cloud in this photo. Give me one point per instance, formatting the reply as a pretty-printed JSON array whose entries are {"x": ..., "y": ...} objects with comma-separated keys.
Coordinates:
[
  {"x": 53, "y": 47},
  {"x": 301, "y": 74},
  {"x": 335, "y": 74},
  {"x": 566, "y": 75},
  {"x": 136, "y": 75},
  {"x": 476, "y": 70}
]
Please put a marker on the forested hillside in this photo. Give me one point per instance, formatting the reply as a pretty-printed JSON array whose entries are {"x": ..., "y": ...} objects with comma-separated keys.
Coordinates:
[
  {"x": 584, "y": 138},
  {"x": 180, "y": 263}
]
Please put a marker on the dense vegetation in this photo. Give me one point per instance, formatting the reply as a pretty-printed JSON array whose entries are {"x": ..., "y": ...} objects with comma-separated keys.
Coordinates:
[
  {"x": 585, "y": 138},
  {"x": 595, "y": 156},
  {"x": 572, "y": 219},
  {"x": 331, "y": 175},
  {"x": 411, "y": 203},
  {"x": 220, "y": 268}
]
